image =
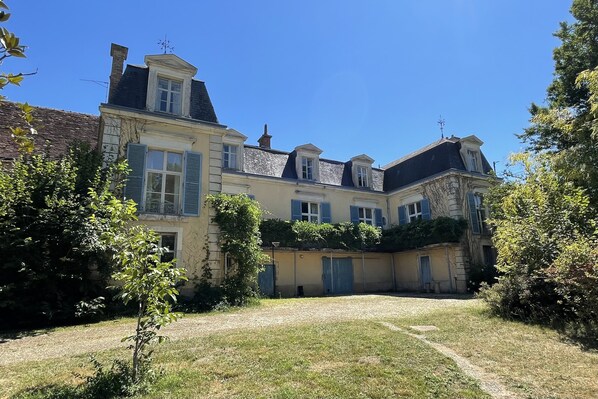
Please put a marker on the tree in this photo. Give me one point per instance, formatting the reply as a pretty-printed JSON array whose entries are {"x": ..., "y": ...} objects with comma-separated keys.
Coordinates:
[
  {"x": 566, "y": 126},
  {"x": 144, "y": 279},
  {"x": 10, "y": 46}
]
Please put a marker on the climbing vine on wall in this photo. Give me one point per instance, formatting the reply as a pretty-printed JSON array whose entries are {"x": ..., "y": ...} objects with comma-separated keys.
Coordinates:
[{"x": 238, "y": 218}]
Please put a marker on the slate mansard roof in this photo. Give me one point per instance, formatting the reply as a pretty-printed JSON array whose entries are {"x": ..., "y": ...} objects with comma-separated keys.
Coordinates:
[
  {"x": 56, "y": 129},
  {"x": 131, "y": 92},
  {"x": 432, "y": 160},
  {"x": 280, "y": 164}
]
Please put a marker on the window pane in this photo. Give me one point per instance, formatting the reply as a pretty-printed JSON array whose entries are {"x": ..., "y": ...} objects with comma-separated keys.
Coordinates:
[
  {"x": 314, "y": 219},
  {"x": 411, "y": 209},
  {"x": 361, "y": 215},
  {"x": 168, "y": 241},
  {"x": 419, "y": 207},
  {"x": 176, "y": 87},
  {"x": 162, "y": 83},
  {"x": 173, "y": 184},
  {"x": 304, "y": 207},
  {"x": 155, "y": 159},
  {"x": 314, "y": 208},
  {"x": 154, "y": 182},
  {"x": 153, "y": 202},
  {"x": 171, "y": 203},
  {"x": 175, "y": 162},
  {"x": 368, "y": 213}
]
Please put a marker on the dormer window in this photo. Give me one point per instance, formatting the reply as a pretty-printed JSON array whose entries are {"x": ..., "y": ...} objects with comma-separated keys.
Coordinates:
[
  {"x": 362, "y": 176},
  {"x": 307, "y": 168},
  {"x": 361, "y": 171},
  {"x": 472, "y": 161},
  {"x": 168, "y": 97},
  {"x": 307, "y": 162},
  {"x": 230, "y": 156}
]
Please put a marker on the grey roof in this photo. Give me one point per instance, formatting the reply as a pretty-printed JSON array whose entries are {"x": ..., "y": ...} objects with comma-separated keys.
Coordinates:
[
  {"x": 56, "y": 129},
  {"x": 436, "y": 158},
  {"x": 274, "y": 163},
  {"x": 132, "y": 92}
]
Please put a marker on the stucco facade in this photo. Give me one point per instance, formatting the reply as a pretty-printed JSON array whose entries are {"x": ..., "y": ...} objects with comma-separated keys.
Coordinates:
[{"x": 161, "y": 119}]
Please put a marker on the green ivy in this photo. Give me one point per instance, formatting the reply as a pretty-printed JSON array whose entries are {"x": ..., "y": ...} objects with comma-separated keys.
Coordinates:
[
  {"x": 238, "y": 218},
  {"x": 421, "y": 233},
  {"x": 306, "y": 235}
]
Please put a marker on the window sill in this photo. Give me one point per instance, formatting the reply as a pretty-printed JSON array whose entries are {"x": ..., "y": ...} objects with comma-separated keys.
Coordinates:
[{"x": 163, "y": 217}]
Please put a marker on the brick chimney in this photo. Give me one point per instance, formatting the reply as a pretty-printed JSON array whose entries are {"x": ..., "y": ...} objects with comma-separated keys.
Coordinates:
[
  {"x": 264, "y": 141},
  {"x": 119, "y": 55}
]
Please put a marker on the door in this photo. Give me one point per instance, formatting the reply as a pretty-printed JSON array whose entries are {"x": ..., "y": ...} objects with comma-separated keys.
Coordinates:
[
  {"x": 338, "y": 279},
  {"x": 265, "y": 280},
  {"x": 425, "y": 272}
]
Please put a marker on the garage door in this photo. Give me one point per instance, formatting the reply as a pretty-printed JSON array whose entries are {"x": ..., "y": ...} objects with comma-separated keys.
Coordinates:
[{"x": 338, "y": 276}]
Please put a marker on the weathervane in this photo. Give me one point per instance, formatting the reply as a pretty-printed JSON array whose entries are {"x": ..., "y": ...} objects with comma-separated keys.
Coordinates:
[
  {"x": 441, "y": 123},
  {"x": 165, "y": 45}
]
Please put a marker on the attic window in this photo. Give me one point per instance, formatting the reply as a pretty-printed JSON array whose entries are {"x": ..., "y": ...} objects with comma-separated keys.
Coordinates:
[
  {"x": 472, "y": 161},
  {"x": 362, "y": 176},
  {"x": 307, "y": 168},
  {"x": 168, "y": 96}
]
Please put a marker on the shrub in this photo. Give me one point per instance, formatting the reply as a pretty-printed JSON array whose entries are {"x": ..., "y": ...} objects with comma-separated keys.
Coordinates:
[{"x": 421, "y": 233}]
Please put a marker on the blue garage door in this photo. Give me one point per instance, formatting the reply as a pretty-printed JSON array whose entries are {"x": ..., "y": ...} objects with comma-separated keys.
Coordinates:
[
  {"x": 338, "y": 279},
  {"x": 265, "y": 280}
]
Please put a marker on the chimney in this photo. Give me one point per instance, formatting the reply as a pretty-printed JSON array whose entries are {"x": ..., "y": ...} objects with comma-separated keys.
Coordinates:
[
  {"x": 264, "y": 141},
  {"x": 119, "y": 55}
]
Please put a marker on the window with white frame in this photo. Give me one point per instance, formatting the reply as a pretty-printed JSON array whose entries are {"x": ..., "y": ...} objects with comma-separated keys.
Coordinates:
[
  {"x": 363, "y": 176},
  {"x": 481, "y": 213},
  {"x": 366, "y": 215},
  {"x": 168, "y": 241},
  {"x": 307, "y": 168},
  {"x": 164, "y": 170},
  {"x": 230, "y": 156},
  {"x": 472, "y": 161},
  {"x": 310, "y": 212},
  {"x": 414, "y": 211},
  {"x": 168, "y": 96}
]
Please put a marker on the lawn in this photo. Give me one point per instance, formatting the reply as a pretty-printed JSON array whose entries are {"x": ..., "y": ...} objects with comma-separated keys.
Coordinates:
[{"x": 343, "y": 359}]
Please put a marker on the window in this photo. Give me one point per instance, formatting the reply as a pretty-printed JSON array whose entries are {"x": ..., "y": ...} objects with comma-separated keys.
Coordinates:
[
  {"x": 480, "y": 209},
  {"x": 229, "y": 156},
  {"x": 489, "y": 255},
  {"x": 168, "y": 97},
  {"x": 472, "y": 161},
  {"x": 362, "y": 176},
  {"x": 310, "y": 212},
  {"x": 366, "y": 215},
  {"x": 168, "y": 241},
  {"x": 414, "y": 211},
  {"x": 164, "y": 171},
  {"x": 307, "y": 168}
]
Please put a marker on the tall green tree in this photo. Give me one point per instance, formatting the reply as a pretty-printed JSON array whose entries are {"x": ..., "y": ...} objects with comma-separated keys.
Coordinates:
[{"x": 566, "y": 125}]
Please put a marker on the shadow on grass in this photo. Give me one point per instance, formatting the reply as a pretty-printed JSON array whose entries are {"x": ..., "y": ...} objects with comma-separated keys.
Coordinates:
[
  {"x": 12, "y": 335},
  {"x": 51, "y": 392}
]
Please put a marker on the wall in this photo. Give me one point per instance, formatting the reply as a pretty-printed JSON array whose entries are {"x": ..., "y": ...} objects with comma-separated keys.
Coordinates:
[{"x": 371, "y": 273}]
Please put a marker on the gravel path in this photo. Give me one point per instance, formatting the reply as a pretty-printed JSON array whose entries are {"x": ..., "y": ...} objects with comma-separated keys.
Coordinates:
[{"x": 80, "y": 340}]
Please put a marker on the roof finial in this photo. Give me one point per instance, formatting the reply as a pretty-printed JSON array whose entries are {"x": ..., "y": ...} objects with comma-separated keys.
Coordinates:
[
  {"x": 165, "y": 45},
  {"x": 441, "y": 123}
]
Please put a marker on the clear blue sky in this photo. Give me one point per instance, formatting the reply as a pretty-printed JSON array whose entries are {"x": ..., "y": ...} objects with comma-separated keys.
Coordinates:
[{"x": 350, "y": 77}]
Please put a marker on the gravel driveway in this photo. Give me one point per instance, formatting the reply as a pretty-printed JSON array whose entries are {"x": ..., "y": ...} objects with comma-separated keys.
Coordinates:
[{"x": 107, "y": 335}]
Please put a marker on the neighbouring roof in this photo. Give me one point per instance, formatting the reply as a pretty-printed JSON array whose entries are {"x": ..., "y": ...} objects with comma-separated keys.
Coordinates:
[
  {"x": 56, "y": 129},
  {"x": 435, "y": 158},
  {"x": 131, "y": 92},
  {"x": 274, "y": 163}
]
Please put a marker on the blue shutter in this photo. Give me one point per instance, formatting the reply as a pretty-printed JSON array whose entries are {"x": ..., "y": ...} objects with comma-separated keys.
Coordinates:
[
  {"x": 251, "y": 197},
  {"x": 192, "y": 187},
  {"x": 354, "y": 212},
  {"x": 378, "y": 217},
  {"x": 426, "y": 215},
  {"x": 295, "y": 210},
  {"x": 402, "y": 215},
  {"x": 325, "y": 210},
  {"x": 473, "y": 213},
  {"x": 136, "y": 159}
]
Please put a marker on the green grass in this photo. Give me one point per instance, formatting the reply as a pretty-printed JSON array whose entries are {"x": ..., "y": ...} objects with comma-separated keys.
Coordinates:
[{"x": 357, "y": 359}]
